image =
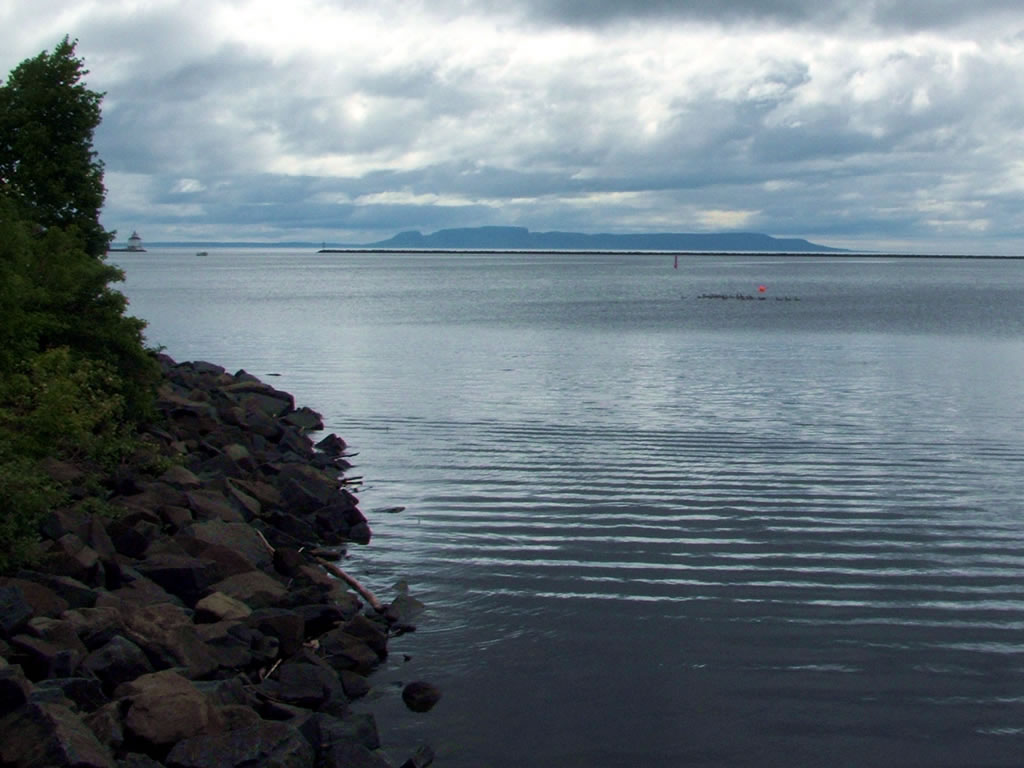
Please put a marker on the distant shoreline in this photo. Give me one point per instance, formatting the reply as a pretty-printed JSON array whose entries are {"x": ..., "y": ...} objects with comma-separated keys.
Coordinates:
[{"x": 801, "y": 254}]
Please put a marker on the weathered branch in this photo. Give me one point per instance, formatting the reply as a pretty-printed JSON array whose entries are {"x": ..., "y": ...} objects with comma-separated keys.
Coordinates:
[{"x": 363, "y": 591}]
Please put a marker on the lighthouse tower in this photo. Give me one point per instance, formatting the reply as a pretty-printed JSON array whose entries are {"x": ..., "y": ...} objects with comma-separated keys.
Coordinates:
[{"x": 135, "y": 242}]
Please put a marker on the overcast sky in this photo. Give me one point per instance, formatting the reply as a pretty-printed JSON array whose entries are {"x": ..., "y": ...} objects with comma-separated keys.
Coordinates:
[{"x": 894, "y": 124}]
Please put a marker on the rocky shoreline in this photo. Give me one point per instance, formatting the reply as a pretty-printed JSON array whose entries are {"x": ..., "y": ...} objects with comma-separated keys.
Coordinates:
[{"x": 190, "y": 612}]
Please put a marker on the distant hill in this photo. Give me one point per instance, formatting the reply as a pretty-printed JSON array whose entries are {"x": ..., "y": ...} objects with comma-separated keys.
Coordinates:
[{"x": 520, "y": 238}]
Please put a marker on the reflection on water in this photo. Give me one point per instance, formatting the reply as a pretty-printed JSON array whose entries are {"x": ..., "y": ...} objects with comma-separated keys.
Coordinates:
[{"x": 655, "y": 530}]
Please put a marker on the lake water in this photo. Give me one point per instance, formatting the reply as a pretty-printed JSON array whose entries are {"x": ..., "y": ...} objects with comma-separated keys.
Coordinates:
[{"x": 654, "y": 529}]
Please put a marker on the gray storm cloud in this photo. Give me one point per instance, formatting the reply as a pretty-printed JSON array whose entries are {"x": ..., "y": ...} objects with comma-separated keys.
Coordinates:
[{"x": 869, "y": 125}]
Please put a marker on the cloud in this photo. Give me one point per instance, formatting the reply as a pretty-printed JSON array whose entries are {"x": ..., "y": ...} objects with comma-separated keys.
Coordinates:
[{"x": 868, "y": 122}]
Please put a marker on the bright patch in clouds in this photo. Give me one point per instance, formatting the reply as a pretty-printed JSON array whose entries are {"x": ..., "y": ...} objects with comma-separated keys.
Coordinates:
[{"x": 726, "y": 219}]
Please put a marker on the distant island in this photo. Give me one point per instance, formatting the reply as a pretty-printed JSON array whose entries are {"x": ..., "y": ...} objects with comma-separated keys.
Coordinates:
[{"x": 522, "y": 239}]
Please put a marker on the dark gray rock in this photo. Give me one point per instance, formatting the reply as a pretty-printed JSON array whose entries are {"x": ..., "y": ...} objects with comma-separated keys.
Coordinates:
[
  {"x": 344, "y": 651},
  {"x": 305, "y": 419},
  {"x": 298, "y": 528},
  {"x": 261, "y": 397},
  {"x": 60, "y": 522},
  {"x": 308, "y": 685},
  {"x": 164, "y": 708},
  {"x": 332, "y": 445},
  {"x": 220, "y": 607},
  {"x": 356, "y": 686},
  {"x": 420, "y": 696},
  {"x": 211, "y": 505},
  {"x": 136, "y": 760},
  {"x": 84, "y": 692},
  {"x": 42, "y": 600},
  {"x": 77, "y": 594},
  {"x": 240, "y": 537},
  {"x": 188, "y": 578},
  {"x": 328, "y": 730},
  {"x": 106, "y": 725},
  {"x": 72, "y": 557},
  {"x": 170, "y": 639},
  {"x": 230, "y": 642},
  {"x": 370, "y": 632},
  {"x": 321, "y": 618},
  {"x": 137, "y": 591},
  {"x": 238, "y": 716},
  {"x": 119, "y": 661},
  {"x": 255, "y": 588},
  {"x": 129, "y": 540},
  {"x": 287, "y": 626},
  {"x": 40, "y": 735},
  {"x": 60, "y": 632},
  {"x": 15, "y": 610},
  {"x": 292, "y": 441},
  {"x": 269, "y": 744},
  {"x": 181, "y": 478},
  {"x": 350, "y": 755},
  {"x": 41, "y": 658},
  {"x": 403, "y": 611},
  {"x": 423, "y": 757},
  {"x": 14, "y": 689},
  {"x": 96, "y": 626}
]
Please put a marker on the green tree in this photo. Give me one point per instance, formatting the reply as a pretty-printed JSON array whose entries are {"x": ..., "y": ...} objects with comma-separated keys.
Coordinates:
[
  {"x": 47, "y": 162},
  {"x": 75, "y": 375}
]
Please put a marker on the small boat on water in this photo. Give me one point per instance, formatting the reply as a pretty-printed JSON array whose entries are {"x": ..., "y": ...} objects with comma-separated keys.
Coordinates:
[{"x": 202, "y": 253}]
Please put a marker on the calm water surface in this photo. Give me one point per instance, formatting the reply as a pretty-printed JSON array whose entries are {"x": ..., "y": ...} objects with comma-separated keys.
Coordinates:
[{"x": 654, "y": 529}]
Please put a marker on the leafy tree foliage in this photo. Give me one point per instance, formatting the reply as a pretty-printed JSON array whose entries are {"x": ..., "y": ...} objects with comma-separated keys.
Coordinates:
[
  {"x": 47, "y": 161},
  {"x": 75, "y": 376}
]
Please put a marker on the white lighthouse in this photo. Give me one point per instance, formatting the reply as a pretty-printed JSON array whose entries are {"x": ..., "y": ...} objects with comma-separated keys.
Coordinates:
[{"x": 135, "y": 242}]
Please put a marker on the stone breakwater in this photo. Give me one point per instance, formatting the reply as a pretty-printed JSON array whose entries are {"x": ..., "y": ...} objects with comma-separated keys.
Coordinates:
[{"x": 189, "y": 612}]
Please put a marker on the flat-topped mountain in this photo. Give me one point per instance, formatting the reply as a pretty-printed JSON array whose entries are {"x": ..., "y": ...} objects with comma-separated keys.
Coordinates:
[{"x": 521, "y": 238}]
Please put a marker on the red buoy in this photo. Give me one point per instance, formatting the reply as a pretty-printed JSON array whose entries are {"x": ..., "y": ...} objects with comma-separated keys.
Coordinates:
[{"x": 762, "y": 288}]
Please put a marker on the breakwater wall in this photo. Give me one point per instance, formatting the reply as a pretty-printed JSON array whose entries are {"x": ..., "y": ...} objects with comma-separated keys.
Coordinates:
[{"x": 193, "y": 610}]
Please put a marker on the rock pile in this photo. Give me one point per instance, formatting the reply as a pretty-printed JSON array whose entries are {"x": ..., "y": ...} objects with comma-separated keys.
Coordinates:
[{"x": 185, "y": 616}]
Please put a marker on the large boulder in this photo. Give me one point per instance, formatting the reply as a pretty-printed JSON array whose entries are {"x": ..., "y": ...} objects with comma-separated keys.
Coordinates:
[
  {"x": 42, "y": 600},
  {"x": 170, "y": 638},
  {"x": 344, "y": 651},
  {"x": 164, "y": 708},
  {"x": 211, "y": 505},
  {"x": 77, "y": 594},
  {"x": 56, "y": 656},
  {"x": 187, "y": 577},
  {"x": 231, "y": 643},
  {"x": 240, "y": 537},
  {"x": 310, "y": 686},
  {"x": 289, "y": 627}
]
